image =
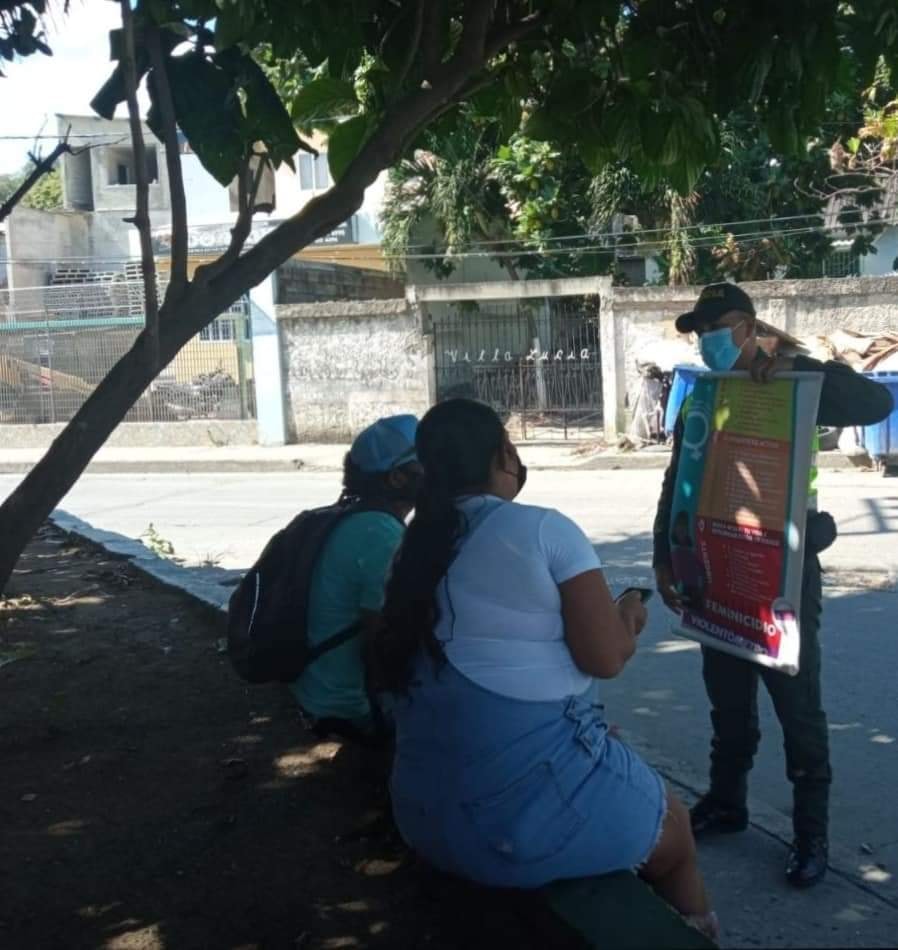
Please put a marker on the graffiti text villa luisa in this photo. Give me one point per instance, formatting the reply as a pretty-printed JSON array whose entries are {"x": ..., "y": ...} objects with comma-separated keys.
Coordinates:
[{"x": 534, "y": 356}]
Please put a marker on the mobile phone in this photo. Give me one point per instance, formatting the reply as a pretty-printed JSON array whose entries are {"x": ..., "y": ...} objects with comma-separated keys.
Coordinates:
[{"x": 645, "y": 593}]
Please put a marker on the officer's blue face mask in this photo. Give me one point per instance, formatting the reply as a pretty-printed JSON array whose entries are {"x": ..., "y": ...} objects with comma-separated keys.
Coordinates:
[{"x": 719, "y": 349}]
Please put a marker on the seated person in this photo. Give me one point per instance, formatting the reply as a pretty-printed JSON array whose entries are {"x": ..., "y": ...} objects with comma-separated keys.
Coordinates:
[
  {"x": 380, "y": 474},
  {"x": 497, "y": 621}
]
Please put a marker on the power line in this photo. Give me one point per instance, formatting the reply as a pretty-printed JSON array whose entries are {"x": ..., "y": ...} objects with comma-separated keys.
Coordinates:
[
  {"x": 62, "y": 136},
  {"x": 100, "y": 135},
  {"x": 662, "y": 232},
  {"x": 374, "y": 253}
]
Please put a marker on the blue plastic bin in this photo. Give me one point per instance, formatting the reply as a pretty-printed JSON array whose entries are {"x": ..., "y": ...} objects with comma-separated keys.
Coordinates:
[
  {"x": 881, "y": 440},
  {"x": 681, "y": 386}
]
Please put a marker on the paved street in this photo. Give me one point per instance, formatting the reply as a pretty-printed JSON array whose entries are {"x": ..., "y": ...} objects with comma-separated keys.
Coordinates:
[{"x": 659, "y": 700}]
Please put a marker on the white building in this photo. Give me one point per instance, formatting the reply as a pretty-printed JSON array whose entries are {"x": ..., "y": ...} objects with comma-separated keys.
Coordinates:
[{"x": 90, "y": 236}]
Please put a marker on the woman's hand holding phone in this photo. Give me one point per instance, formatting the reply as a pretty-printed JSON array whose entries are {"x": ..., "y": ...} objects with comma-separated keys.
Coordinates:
[{"x": 631, "y": 605}]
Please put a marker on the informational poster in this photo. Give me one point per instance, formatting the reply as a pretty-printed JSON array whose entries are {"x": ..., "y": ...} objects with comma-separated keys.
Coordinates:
[{"x": 739, "y": 509}]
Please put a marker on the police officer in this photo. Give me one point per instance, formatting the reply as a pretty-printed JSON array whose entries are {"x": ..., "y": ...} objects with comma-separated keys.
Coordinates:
[{"x": 724, "y": 321}]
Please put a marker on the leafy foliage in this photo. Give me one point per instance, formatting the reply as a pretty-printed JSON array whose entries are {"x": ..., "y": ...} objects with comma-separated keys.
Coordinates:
[
  {"x": 517, "y": 199},
  {"x": 46, "y": 194},
  {"x": 646, "y": 85},
  {"x": 21, "y": 31}
]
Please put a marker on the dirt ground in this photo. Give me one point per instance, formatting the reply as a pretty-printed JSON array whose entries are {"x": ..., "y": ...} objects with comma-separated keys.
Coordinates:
[{"x": 149, "y": 799}]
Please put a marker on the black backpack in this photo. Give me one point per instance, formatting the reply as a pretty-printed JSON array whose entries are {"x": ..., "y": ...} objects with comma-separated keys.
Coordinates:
[{"x": 267, "y": 613}]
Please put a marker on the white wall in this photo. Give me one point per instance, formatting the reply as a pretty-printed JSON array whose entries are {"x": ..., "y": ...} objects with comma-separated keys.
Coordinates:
[
  {"x": 207, "y": 201},
  {"x": 290, "y": 199},
  {"x": 639, "y": 324}
]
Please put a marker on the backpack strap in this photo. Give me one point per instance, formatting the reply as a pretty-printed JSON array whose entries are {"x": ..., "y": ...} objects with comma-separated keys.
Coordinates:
[
  {"x": 333, "y": 641},
  {"x": 354, "y": 629}
]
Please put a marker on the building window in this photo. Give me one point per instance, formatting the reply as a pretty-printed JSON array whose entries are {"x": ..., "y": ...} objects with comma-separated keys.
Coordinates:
[
  {"x": 120, "y": 166},
  {"x": 314, "y": 175},
  {"x": 266, "y": 194},
  {"x": 225, "y": 328},
  {"x": 841, "y": 264}
]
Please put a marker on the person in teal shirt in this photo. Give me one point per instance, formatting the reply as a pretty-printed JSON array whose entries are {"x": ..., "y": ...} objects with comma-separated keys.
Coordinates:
[{"x": 381, "y": 472}]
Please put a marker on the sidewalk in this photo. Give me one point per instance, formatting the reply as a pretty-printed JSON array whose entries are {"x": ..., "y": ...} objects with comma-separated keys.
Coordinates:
[
  {"x": 744, "y": 872},
  {"x": 539, "y": 456}
]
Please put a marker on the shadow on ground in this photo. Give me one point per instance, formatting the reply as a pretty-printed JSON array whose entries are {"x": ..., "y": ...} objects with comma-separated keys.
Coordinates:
[{"x": 151, "y": 800}]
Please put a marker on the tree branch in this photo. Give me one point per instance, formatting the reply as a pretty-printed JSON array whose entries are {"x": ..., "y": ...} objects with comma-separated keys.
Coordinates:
[
  {"x": 141, "y": 219},
  {"x": 499, "y": 39},
  {"x": 433, "y": 14},
  {"x": 415, "y": 44},
  {"x": 178, "y": 277},
  {"x": 321, "y": 215},
  {"x": 402, "y": 121},
  {"x": 477, "y": 18},
  {"x": 42, "y": 166},
  {"x": 246, "y": 201}
]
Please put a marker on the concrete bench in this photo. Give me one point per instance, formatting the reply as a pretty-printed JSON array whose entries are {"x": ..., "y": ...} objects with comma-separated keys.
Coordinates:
[{"x": 619, "y": 912}]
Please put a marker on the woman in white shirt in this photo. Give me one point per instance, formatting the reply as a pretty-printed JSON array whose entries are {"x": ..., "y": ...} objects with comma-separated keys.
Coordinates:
[{"x": 498, "y": 621}]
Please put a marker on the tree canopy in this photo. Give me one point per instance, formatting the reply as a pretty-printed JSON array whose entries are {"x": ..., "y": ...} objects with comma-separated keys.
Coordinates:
[
  {"x": 752, "y": 213},
  {"x": 646, "y": 84}
]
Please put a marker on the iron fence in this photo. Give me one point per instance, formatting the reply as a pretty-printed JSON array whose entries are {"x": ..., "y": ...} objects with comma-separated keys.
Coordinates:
[
  {"x": 538, "y": 363},
  {"x": 58, "y": 342}
]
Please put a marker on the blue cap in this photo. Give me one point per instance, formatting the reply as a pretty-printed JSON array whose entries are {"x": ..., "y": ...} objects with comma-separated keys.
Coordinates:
[{"x": 386, "y": 444}]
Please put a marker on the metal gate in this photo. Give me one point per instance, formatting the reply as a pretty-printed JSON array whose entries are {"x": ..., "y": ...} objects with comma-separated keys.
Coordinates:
[{"x": 537, "y": 362}]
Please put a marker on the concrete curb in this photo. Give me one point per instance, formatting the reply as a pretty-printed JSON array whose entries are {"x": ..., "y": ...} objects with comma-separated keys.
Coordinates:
[
  {"x": 608, "y": 463},
  {"x": 846, "y": 862},
  {"x": 208, "y": 592}
]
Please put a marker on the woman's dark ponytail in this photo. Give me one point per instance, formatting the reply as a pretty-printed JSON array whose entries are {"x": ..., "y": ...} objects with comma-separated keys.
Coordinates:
[{"x": 457, "y": 442}]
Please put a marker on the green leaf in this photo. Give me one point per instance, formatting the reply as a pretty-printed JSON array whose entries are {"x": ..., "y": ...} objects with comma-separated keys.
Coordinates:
[
  {"x": 782, "y": 131},
  {"x": 760, "y": 71},
  {"x": 116, "y": 45},
  {"x": 543, "y": 125},
  {"x": 344, "y": 144},
  {"x": 208, "y": 112},
  {"x": 265, "y": 117},
  {"x": 655, "y": 130},
  {"x": 113, "y": 92},
  {"x": 323, "y": 99},
  {"x": 232, "y": 25}
]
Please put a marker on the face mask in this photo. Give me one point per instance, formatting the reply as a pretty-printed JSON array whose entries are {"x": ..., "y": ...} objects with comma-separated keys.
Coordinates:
[
  {"x": 520, "y": 474},
  {"x": 719, "y": 350},
  {"x": 408, "y": 491}
]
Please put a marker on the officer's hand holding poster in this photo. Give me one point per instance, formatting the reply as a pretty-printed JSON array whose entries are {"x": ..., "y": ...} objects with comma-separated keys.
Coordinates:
[{"x": 739, "y": 510}]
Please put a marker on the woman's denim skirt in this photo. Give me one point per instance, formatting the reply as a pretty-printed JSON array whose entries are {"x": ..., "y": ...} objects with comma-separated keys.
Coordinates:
[{"x": 516, "y": 794}]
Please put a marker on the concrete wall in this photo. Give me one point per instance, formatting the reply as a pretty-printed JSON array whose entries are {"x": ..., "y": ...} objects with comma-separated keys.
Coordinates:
[
  {"x": 198, "y": 432},
  {"x": 303, "y": 282},
  {"x": 77, "y": 181},
  {"x": 643, "y": 320},
  {"x": 109, "y": 238},
  {"x": 35, "y": 238},
  {"x": 39, "y": 240},
  {"x": 346, "y": 364}
]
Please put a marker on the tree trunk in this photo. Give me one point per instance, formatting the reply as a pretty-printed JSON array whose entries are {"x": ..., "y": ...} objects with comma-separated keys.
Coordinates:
[{"x": 29, "y": 505}]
